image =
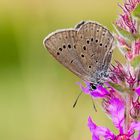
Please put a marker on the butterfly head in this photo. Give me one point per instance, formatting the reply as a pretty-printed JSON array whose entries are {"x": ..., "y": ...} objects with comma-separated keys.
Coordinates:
[{"x": 92, "y": 86}]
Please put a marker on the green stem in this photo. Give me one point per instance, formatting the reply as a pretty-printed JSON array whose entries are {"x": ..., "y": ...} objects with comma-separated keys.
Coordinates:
[{"x": 127, "y": 112}]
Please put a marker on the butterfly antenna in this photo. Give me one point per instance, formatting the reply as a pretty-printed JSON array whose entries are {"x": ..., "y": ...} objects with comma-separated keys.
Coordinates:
[
  {"x": 77, "y": 99},
  {"x": 94, "y": 105}
]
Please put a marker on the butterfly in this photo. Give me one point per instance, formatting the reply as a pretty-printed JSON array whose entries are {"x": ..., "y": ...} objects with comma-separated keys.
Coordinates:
[{"x": 85, "y": 50}]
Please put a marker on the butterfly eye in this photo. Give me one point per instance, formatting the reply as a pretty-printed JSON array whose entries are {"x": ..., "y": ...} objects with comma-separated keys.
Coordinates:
[{"x": 93, "y": 87}]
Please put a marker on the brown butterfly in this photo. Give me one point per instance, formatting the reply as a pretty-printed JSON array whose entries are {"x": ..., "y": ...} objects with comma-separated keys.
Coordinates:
[{"x": 86, "y": 50}]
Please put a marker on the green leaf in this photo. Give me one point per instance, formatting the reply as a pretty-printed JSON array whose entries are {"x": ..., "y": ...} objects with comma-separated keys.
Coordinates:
[
  {"x": 136, "y": 12},
  {"x": 123, "y": 33},
  {"x": 136, "y": 61}
]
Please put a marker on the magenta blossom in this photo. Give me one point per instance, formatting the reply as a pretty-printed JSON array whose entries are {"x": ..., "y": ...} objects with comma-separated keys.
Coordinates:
[
  {"x": 128, "y": 29},
  {"x": 130, "y": 5},
  {"x": 102, "y": 133},
  {"x": 134, "y": 50},
  {"x": 99, "y": 92},
  {"x": 130, "y": 51},
  {"x": 114, "y": 106},
  {"x": 120, "y": 93},
  {"x": 138, "y": 90},
  {"x": 123, "y": 75},
  {"x": 125, "y": 20},
  {"x": 135, "y": 110}
]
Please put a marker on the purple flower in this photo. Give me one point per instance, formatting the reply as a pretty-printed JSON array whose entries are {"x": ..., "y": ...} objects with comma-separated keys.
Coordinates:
[
  {"x": 121, "y": 92},
  {"x": 114, "y": 105},
  {"x": 129, "y": 50},
  {"x": 133, "y": 51},
  {"x": 130, "y": 5},
  {"x": 115, "y": 108},
  {"x": 136, "y": 48},
  {"x": 121, "y": 74},
  {"x": 99, "y": 132},
  {"x": 135, "y": 110},
  {"x": 138, "y": 90},
  {"x": 118, "y": 72},
  {"x": 99, "y": 92},
  {"x": 128, "y": 28},
  {"x": 137, "y": 75},
  {"x": 125, "y": 20}
]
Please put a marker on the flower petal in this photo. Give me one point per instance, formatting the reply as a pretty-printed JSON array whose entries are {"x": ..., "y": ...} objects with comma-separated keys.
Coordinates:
[
  {"x": 98, "y": 131},
  {"x": 99, "y": 92},
  {"x": 135, "y": 126},
  {"x": 116, "y": 111},
  {"x": 85, "y": 89},
  {"x": 138, "y": 137},
  {"x": 138, "y": 90}
]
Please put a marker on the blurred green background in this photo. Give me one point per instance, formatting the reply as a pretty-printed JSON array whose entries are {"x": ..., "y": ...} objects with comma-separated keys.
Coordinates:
[{"x": 36, "y": 92}]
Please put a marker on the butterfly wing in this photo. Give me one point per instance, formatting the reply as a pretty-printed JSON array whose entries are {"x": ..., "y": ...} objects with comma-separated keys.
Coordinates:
[
  {"x": 94, "y": 46},
  {"x": 62, "y": 45},
  {"x": 85, "y": 50}
]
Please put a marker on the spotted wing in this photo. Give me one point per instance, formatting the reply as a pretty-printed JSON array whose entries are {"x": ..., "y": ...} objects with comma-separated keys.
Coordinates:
[
  {"x": 94, "y": 46},
  {"x": 62, "y": 45}
]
